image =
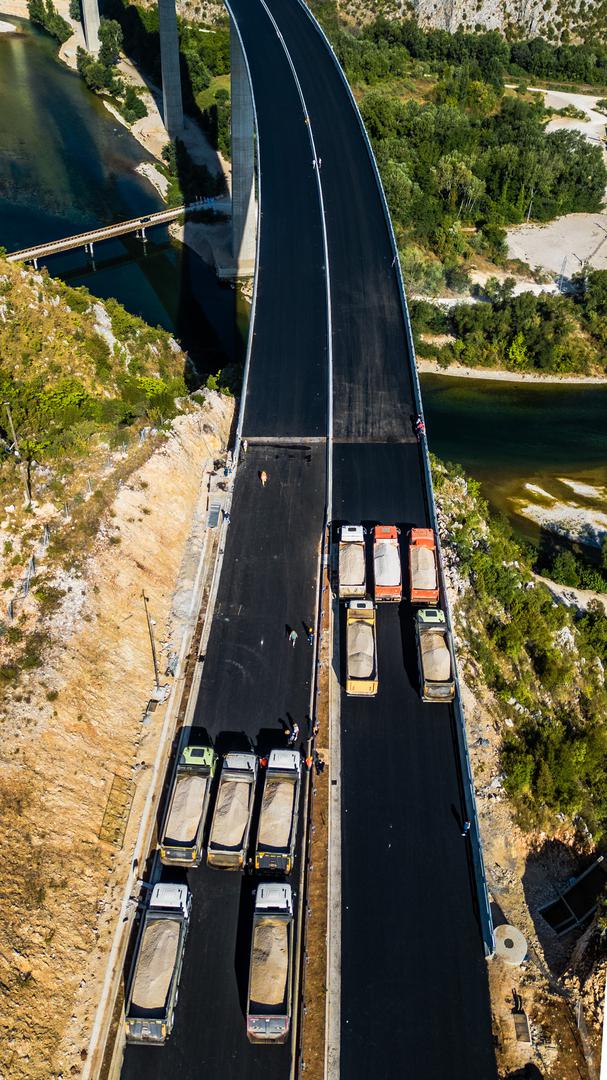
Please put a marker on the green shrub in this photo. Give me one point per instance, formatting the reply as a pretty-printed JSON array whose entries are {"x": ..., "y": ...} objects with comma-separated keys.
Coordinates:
[{"x": 45, "y": 14}]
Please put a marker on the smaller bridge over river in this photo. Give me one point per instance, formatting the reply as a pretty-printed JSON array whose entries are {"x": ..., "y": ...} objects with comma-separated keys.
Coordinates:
[{"x": 136, "y": 225}]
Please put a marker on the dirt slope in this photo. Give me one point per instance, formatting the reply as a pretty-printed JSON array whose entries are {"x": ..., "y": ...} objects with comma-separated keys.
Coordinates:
[{"x": 72, "y": 727}]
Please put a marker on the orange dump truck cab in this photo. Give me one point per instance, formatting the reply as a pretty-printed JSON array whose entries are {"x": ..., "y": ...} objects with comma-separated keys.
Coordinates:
[
  {"x": 386, "y": 564},
  {"x": 423, "y": 567}
]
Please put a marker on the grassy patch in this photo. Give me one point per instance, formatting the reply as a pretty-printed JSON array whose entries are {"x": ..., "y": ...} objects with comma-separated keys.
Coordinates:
[{"x": 205, "y": 98}]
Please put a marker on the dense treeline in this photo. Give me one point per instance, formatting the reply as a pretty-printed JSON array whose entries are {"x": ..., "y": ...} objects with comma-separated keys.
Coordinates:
[
  {"x": 99, "y": 73},
  {"x": 384, "y": 46},
  {"x": 545, "y": 664},
  {"x": 45, "y": 14},
  {"x": 545, "y": 333},
  {"x": 460, "y": 157},
  {"x": 472, "y": 158}
]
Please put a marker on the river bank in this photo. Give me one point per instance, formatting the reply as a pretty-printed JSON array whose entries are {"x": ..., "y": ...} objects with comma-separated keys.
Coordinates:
[{"x": 432, "y": 367}]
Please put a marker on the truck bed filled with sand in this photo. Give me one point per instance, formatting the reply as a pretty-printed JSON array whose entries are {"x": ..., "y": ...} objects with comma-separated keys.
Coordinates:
[
  {"x": 269, "y": 963},
  {"x": 436, "y": 657},
  {"x": 276, "y": 814},
  {"x": 352, "y": 564},
  {"x": 386, "y": 560},
  {"x": 361, "y": 650},
  {"x": 423, "y": 568},
  {"x": 231, "y": 814},
  {"x": 186, "y": 809},
  {"x": 155, "y": 968}
]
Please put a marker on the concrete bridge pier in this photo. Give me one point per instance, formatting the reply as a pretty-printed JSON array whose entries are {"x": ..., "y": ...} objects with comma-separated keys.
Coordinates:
[
  {"x": 244, "y": 214},
  {"x": 171, "y": 75},
  {"x": 90, "y": 25}
]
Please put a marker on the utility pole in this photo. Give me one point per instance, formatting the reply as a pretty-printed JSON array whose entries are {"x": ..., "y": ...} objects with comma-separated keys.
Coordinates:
[{"x": 152, "y": 642}]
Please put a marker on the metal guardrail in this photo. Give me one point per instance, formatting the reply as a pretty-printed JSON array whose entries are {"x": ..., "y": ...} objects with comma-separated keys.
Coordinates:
[{"x": 484, "y": 910}]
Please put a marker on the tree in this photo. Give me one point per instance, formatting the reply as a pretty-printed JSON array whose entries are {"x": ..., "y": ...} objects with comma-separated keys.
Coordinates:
[
  {"x": 110, "y": 37},
  {"x": 75, "y": 12},
  {"x": 517, "y": 353}
]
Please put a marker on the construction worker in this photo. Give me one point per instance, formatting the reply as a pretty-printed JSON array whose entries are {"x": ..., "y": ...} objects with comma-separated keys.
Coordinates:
[
  {"x": 263, "y": 476},
  {"x": 310, "y": 635}
]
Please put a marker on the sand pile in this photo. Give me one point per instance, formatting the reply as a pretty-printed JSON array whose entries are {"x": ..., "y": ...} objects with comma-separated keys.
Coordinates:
[
  {"x": 231, "y": 813},
  {"x": 436, "y": 657},
  {"x": 276, "y": 811},
  {"x": 423, "y": 568},
  {"x": 352, "y": 564},
  {"x": 156, "y": 964},
  {"x": 360, "y": 650},
  {"x": 186, "y": 809},
  {"x": 387, "y": 563},
  {"x": 270, "y": 963}
]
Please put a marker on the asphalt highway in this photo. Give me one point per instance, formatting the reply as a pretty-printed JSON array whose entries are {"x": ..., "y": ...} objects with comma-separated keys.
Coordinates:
[
  {"x": 414, "y": 997},
  {"x": 254, "y": 682},
  {"x": 414, "y": 982}
]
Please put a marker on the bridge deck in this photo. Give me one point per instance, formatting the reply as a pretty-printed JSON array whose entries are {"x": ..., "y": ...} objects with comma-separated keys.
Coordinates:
[{"x": 120, "y": 228}]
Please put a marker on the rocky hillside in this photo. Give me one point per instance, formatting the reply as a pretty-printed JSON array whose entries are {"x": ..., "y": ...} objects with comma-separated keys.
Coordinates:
[
  {"x": 534, "y": 694},
  {"x": 104, "y": 489},
  {"x": 556, "y": 20}
]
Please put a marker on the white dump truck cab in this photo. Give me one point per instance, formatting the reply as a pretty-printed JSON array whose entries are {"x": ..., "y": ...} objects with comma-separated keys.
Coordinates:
[
  {"x": 156, "y": 969},
  {"x": 270, "y": 970}
]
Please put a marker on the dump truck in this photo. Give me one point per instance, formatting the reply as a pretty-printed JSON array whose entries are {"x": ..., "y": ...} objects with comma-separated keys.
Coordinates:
[
  {"x": 361, "y": 649},
  {"x": 423, "y": 567},
  {"x": 352, "y": 569},
  {"x": 269, "y": 996},
  {"x": 435, "y": 656},
  {"x": 387, "y": 570},
  {"x": 183, "y": 827},
  {"x": 156, "y": 969},
  {"x": 277, "y": 830},
  {"x": 229, "y": 835}
]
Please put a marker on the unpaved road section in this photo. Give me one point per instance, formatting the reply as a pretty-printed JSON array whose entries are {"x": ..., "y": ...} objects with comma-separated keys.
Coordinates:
[{"x": 74, "y": 749}]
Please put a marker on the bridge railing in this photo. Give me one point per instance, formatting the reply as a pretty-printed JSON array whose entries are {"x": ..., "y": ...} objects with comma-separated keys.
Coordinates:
[
  {"x": 484, "y": 909},
  {"x": 106, "y": 232}
]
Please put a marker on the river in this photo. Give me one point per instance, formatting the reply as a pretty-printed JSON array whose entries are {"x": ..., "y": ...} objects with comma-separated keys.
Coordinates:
[
  {"x": 539, "y": 451},
  {"x": 66, "y": 165}
]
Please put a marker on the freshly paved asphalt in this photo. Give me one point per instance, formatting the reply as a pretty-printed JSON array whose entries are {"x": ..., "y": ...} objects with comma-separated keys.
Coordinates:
[
  {"x": 288, "y": 375},
  {"x": 414, "y": 983},
  {"x": 253, "y": 679},
  {"x": 414, "y": 988},
  {"x": 253, "y": 682}
]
